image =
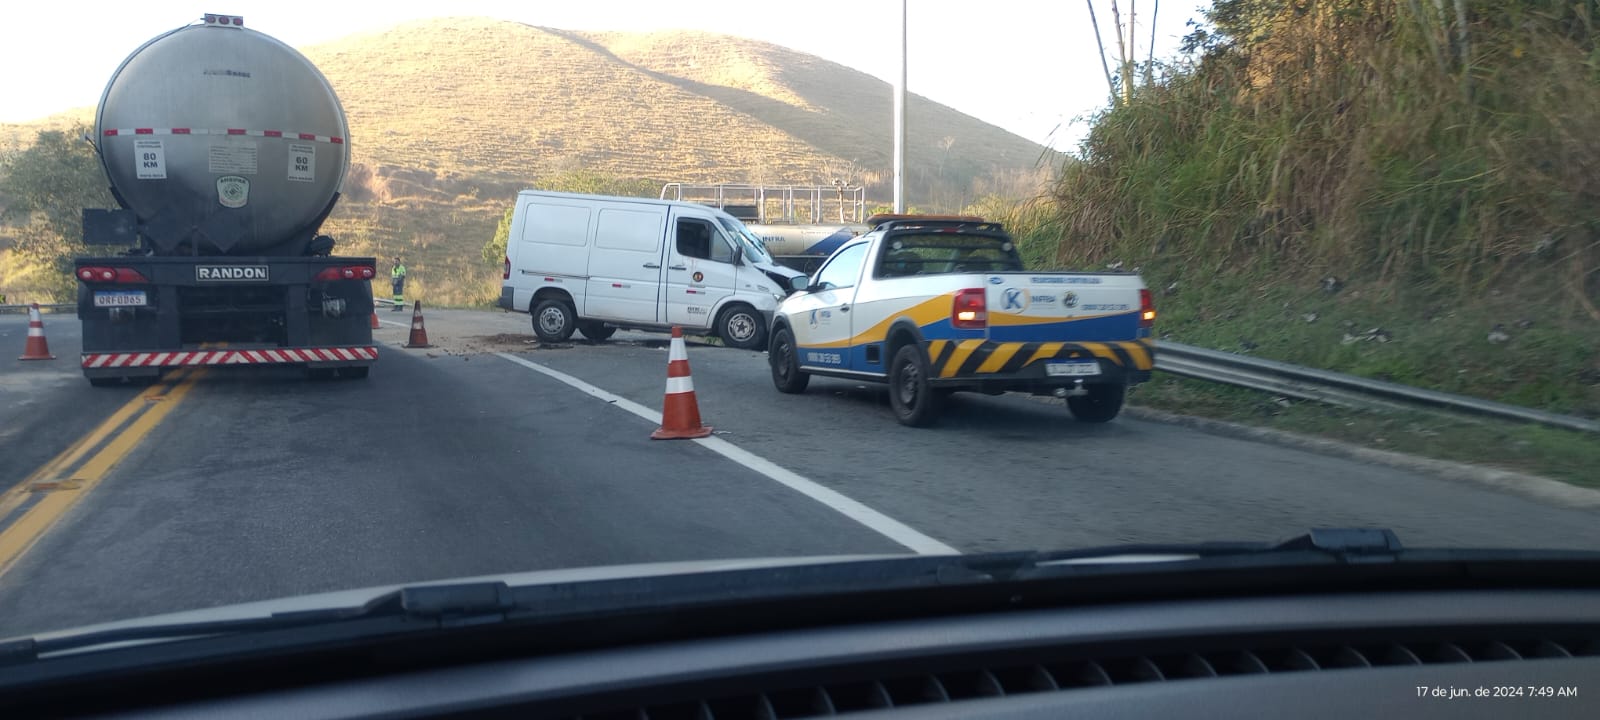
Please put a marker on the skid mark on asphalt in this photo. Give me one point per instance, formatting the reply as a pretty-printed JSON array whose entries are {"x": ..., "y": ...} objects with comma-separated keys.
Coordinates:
[
  {"x": 31, "y": 508},
  {"x": 849, "y": 507}
]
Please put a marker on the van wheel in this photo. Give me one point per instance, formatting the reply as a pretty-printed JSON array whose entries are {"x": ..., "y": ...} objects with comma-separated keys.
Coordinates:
[
  {"x": 1101, "y": 404},
  {"x": 914, "y": 401},
  {"x": 740, "y": 326},
  {"x": 785, "y": 362},
  {"x": 554, "y": 321},
  {"x": 596, "y": 331}
]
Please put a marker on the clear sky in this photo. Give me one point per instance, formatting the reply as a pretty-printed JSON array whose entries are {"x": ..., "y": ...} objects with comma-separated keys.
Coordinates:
[{"x": 1026, "y": 65}]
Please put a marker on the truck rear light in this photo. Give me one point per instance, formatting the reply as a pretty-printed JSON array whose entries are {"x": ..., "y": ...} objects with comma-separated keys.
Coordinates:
[
  {"x": 506, "y": 274},
  {"x": 1147, "y": 309},
  {"x": 969, "y": 311},
  {"x": 121, "y": 276},
  {"x": 348, "y": 272}
]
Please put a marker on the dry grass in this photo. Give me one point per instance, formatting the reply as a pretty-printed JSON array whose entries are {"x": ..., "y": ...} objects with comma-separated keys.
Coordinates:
[{"x": 450, "y": 118}]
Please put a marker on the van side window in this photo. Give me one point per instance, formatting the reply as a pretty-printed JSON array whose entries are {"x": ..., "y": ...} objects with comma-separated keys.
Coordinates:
[{"x": 699, "y": 239}]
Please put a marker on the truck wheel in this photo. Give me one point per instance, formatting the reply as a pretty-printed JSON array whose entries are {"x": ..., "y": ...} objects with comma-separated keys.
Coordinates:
[
  {"x": 785, "y": 362},
  {"x": 914, "y": 401},
  {"x": 554, "y": 321},
  {"x": 596, "y": 331},
  {"x": 740, "y": 326},
  {"x": 1101, "y": 404}
]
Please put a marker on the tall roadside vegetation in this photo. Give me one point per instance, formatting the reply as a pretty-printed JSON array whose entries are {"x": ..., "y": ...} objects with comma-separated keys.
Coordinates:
[
  {"x": 1441, "y": 146},
  {"x": 44, "y": 187}
]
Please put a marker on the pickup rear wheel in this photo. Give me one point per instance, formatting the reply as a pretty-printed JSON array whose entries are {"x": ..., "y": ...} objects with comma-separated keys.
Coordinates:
[
  {"x": 914, "y": 401},
  {"x": 1101, "y": 404},
  {"x": 785, "y": 362},
  {"x": 554, "y": 321}
]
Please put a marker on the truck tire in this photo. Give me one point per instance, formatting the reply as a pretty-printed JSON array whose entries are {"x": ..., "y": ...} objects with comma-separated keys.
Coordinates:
[
  {"x": 1101, "y": 404},
  {"x": 595, "y": 330},
  {"x": 910, "y": 394},
  {"x": 554, "y": 321},
  {"x": 740, "y": 326},
  {"x": 785, "y": 362}
]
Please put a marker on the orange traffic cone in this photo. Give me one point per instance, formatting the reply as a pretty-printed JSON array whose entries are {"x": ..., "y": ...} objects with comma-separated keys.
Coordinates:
[
  {"x": 36, "y": 348},
  {"x": 419, "y": 334},
  {"x": 374, "y": 319},
  {"x": 680, "y": 413}
]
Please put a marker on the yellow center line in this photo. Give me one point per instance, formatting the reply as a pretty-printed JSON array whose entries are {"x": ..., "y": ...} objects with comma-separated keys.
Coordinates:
[{"x": 22, "y": 534}]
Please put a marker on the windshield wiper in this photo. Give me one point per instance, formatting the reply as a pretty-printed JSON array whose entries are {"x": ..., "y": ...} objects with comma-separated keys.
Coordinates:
[{"x": 460, "y": 605}]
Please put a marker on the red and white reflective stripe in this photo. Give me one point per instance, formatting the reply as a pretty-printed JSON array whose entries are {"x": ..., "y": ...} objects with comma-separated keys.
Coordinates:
[
  {"x": 678, "y": 380},
  {"x": 313, "y": 137},
  {"x": 271, "y": 356}
]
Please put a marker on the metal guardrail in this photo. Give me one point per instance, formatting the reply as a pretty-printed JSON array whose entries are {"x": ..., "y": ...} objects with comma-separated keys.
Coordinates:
[
  {"x": 1340, "y": 389},
  {"x": 46, "y": 307}
]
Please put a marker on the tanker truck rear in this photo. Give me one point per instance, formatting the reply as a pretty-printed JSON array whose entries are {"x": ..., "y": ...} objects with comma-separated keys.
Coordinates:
[{"x": 225, "y": 150}]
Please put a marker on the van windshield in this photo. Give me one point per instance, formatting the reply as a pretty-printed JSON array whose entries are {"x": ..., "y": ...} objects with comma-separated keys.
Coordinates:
[{"x": 753, "y": 247}]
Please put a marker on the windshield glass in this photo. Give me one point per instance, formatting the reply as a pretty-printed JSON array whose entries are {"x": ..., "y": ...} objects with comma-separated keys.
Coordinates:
[
  {"x": 754, "y": 248},
  {"x": 345, "y": 295}
]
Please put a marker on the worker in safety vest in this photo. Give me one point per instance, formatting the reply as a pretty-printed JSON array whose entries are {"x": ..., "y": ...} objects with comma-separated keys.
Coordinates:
[{"x": 397, "y": 278}]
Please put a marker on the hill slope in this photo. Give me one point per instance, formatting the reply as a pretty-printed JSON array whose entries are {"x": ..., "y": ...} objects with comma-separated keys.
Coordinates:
[
  {"x": 450, "y": 117},
  {"x": 500, "y": 99}
]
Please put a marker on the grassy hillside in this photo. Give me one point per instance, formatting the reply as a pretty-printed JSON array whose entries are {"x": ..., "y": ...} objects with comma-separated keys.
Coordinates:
[
  {"x": 1386, "y": 187},
  {"x": 449, "y": 118}
]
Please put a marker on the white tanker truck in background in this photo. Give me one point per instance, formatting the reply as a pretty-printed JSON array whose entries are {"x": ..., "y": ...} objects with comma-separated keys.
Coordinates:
[
  {"x": 800, "y": 225},
  {"x": 225, "y": 150}
]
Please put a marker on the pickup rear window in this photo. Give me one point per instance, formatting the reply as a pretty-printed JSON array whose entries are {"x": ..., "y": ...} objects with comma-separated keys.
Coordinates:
[{"x": 908, "y": 254}]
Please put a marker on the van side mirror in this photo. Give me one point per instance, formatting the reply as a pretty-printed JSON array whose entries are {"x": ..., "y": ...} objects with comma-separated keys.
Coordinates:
[{"x": 799, "y": 283}]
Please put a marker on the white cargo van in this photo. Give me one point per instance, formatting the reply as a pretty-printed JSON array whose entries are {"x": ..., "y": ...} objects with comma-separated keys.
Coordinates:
[{"x": 595, "y": 263}]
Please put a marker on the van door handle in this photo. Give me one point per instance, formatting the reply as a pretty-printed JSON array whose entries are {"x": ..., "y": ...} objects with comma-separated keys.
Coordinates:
[
  {"x": 677, "y": 267},
  {"x": 844, "y": 308},
  {"x": 653, "y": 266}
]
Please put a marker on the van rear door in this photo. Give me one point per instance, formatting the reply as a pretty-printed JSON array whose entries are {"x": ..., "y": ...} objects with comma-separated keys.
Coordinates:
[
  {"x": 551, "y": 247},
  {"x": 625, "y": 268}
]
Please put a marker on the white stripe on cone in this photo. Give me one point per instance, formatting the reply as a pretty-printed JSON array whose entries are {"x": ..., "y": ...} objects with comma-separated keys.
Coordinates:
[
  {"x": 677, "y": 385},
  {"x": 678, "y": 352}
]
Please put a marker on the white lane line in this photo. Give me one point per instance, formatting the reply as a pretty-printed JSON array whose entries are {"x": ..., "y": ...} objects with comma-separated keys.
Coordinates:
[
  {"x": 396, "y": 324},
  {"x": 849, "y": 507}
]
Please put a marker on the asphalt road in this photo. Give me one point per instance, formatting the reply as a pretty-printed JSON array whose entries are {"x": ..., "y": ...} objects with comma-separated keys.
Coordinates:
[{"x": 259, "y": 483}]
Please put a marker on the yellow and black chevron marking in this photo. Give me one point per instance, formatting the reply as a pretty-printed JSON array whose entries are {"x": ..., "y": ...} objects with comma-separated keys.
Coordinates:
[{"x": 957, "y": 358}]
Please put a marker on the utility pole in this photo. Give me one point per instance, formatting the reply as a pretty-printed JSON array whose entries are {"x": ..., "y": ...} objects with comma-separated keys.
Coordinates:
[{"x": 900, "y": 121}]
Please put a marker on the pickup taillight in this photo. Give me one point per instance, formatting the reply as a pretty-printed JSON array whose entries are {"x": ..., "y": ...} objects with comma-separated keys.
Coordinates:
[
  {"x": 970, "y": 311},
  {"x": 1147, "y": 309}
]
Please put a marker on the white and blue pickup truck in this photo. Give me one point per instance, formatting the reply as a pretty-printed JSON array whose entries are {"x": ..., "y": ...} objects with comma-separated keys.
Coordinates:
[{"x": 932, "y": 306}]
